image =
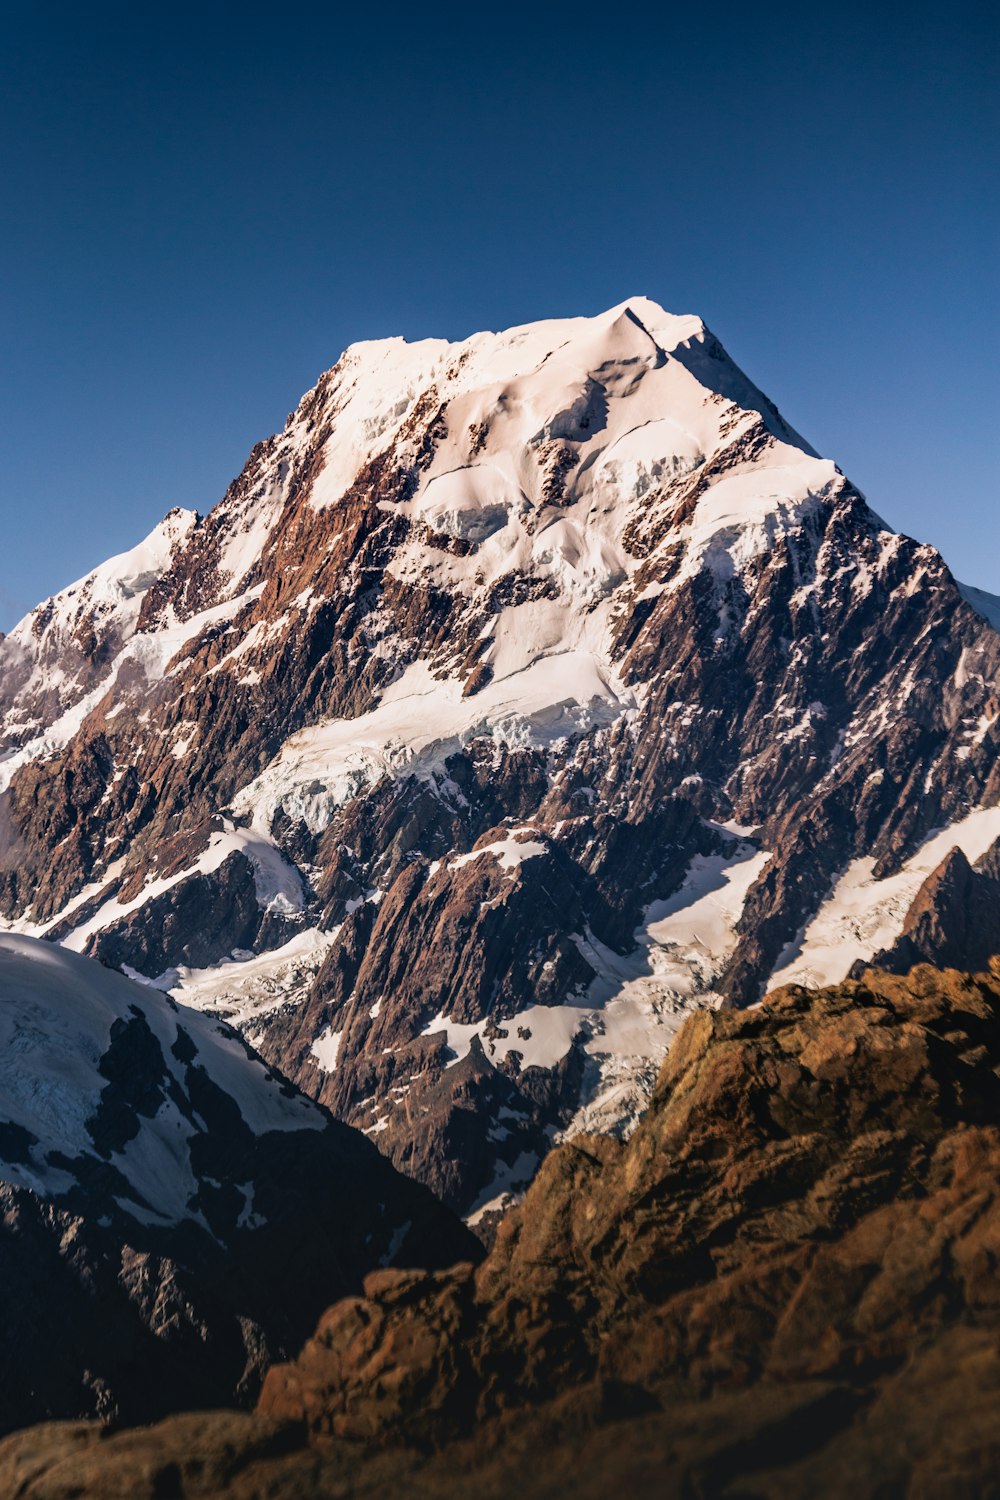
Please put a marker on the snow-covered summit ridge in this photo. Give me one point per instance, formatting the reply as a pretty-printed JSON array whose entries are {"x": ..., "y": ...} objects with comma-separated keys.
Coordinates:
[
  {"x": 557, "y": 445},
  {"x": 564, "y": 453},
  {"x": 540, "y": 377},
  {"x": 115, "y": 587}
]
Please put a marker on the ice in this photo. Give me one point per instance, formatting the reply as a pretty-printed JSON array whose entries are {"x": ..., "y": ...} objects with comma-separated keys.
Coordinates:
[
  {"x": 422, "y": 720},
  {"x": 326, "y": 1049},
  {"x": 471, "y": 502},
  {"x": 863, "y": 915},
  {"x": 245, "y": 991},
  {"x": 56, "y": 1014}
]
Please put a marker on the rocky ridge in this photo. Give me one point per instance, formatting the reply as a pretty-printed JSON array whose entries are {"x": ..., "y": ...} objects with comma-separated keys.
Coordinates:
[
  {"x": 173, "y": 1215},
  {"x": 530, "y": 692},
  {"x": 782, "y": 1286}
]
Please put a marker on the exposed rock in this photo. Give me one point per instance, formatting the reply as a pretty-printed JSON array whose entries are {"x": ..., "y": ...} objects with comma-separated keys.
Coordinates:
[
  {"x": 197, "y": 921},
  {"x": 783, "y": 1286},
  {"x": 577, "y": 584},
  {"x": 173, "y": 1216},
  {"x": 954, "y": 918}
]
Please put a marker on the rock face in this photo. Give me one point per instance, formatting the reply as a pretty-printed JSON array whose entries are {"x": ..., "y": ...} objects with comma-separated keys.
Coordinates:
[
  {"x": 782, "y": 1286},
  {"x": 954, "y": 919},
  {"x": 172, "y": 1215},
  {"x": 541, "y": 688}
]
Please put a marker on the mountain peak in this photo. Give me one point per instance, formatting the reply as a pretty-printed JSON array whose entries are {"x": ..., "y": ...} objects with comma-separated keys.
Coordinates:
[
  {"x": 520, "y": 695},
  {"x": 669, "y": 329}
]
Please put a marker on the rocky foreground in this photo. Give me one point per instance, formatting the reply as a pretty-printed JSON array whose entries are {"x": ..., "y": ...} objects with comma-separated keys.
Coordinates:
[{"x": 784, "y": 1285}]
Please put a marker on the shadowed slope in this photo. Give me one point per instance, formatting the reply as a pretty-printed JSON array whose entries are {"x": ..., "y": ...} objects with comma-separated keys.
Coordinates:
[{"x": 783, "y": 1285}]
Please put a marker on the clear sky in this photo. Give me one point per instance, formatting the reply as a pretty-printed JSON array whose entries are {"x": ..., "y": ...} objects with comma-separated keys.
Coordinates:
[{"x": 203, "y": 204}]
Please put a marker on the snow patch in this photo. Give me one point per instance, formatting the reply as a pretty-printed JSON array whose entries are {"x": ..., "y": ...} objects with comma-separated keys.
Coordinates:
[
  {"x": 57, "y": 1011},
  {"x": 863, "y": 915},
  {"x": 326, "y": 1049}
]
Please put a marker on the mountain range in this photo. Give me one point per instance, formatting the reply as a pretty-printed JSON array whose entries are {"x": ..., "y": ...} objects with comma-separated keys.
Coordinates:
[
  {"x": 521, "y": 696},
  {"x": 393, "y": 862}
]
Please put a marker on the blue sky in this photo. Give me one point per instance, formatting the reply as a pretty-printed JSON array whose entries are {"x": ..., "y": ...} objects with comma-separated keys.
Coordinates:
[{"x": 204, "y": 204}]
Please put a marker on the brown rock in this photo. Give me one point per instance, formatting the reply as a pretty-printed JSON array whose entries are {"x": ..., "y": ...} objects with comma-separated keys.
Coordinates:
[{"x": 783, "y": 1286}]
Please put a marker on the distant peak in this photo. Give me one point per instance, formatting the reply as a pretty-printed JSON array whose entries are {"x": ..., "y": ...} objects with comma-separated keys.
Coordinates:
[{"x": 668, "y": 329}]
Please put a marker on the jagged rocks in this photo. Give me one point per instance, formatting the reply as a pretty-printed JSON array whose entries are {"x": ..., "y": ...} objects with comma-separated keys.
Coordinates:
[
  {"x": 196, "y": 922},
  {"x": 954, "y": 918},
  {"x": 783, "y": 1286}
]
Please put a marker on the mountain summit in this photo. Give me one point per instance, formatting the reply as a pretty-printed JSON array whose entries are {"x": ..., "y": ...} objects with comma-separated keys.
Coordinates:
[{"x": 520, "y": 696}]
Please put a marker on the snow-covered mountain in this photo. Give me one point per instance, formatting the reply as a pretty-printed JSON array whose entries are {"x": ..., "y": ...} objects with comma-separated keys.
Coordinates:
[
  {"x": 519, "y": 696},
  {"x": 174, "y": 1214}
]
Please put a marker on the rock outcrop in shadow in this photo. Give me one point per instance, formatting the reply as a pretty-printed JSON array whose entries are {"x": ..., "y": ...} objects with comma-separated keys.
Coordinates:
[
  {"x": 784, "y": 1285},
  {"x": 173, "y": 1215}
]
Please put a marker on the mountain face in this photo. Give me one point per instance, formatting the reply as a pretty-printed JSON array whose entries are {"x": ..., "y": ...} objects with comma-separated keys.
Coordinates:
[
  {"x": 173, "y": 1216},
  {"x": 520, "y": 696},
  {"x": 782, "y": 1286}
]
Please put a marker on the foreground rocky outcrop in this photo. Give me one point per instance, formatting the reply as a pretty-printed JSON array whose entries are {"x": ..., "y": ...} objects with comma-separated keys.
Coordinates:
[{"x": 785, "y": 1285}]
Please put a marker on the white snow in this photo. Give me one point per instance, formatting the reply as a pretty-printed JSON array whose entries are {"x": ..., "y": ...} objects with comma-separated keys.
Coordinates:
[
  {"x": 863, "y": 915},
  {"x": 326, "y": 1048},
  {"x": 743, "y": 514},
  {"x": 116, "y": 588},
  {"x": 420, "y": 721},
  {"x": 149, "y": 654},
  {"x": 278, "y": 884},
  {"x": 471, "y": 502},
  {"x": 396, "y": 1243},
  {"x": 56, "y": 1014},
  {"x": 542, "y": 1034},
  {"x": 986, "y": 605},
  {"x": 637, "y": 1002},
  {"x": 44, "y": 645},
  {"x": 631, "y": 392},
  {"x": 510, "y": 853},
  {"x": 244, "y": 991}
]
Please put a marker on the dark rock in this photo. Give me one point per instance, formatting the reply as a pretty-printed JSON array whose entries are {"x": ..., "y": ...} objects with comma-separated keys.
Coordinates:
[
  {"x": 783, "y": 1287},
  {"x": 198, "y": 921},
  {"x": 954, "y": 918}
]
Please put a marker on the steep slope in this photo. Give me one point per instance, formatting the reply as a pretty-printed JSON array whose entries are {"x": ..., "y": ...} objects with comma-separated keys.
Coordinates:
[
  {"x": 57, "y": 663},
  {"x": 520, "y": 696},
  {"x": 987, "y": 605},
  {"x": 173, "y": 1214},
  {"x": 782, "y": 1287}
]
